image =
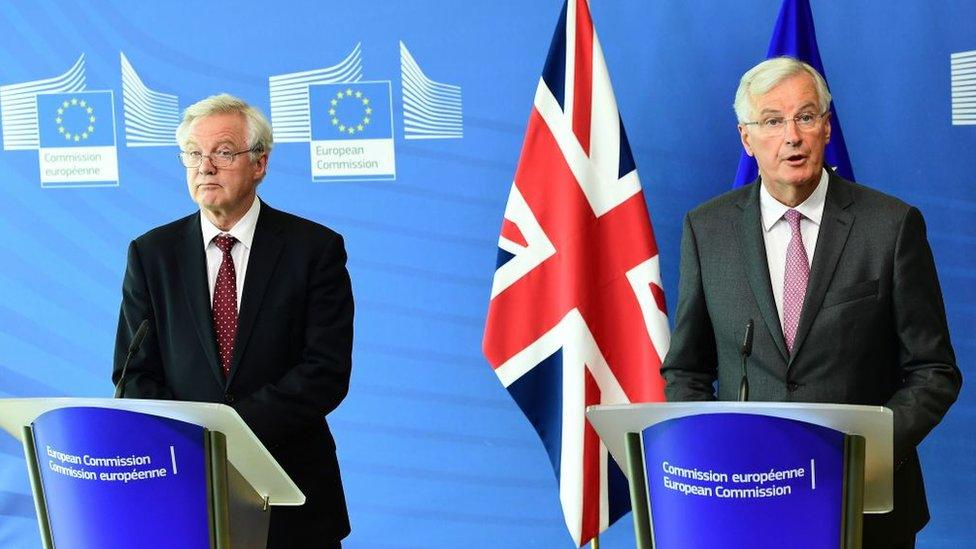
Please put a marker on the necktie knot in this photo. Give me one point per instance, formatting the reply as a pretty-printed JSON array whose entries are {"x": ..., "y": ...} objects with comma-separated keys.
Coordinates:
[
  {"x": 793, "y": 217},
  {"x": 225, "y": 242}
]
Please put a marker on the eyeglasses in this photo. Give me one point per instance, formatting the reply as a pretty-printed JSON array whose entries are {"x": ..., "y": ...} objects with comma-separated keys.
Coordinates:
[
  {"x": 775, "y": 125},
  {"x": 219, "y": 159}
]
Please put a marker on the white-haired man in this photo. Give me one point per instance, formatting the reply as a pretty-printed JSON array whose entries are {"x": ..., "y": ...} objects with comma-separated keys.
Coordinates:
[
  {"x": 839, "y": 279},
  {"x": 248, "y": 306}
]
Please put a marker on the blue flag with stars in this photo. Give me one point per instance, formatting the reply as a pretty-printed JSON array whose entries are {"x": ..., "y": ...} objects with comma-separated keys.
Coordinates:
[
  {"x": 353, "y": 110},
  {"x": 794, "y": 36},
  {"x": 76, "y": 119}
]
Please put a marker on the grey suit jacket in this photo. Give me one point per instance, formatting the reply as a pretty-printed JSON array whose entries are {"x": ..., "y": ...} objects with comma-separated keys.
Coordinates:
[{"x": 872, "y": 331}]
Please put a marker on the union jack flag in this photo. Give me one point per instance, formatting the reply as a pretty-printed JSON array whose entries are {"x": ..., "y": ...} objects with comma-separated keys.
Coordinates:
[{"x": 577, "y": 314}]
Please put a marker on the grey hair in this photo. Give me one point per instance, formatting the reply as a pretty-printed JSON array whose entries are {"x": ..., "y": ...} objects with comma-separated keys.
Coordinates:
[
  {"x": 259, "y": 135},
  {"x": 767, "y": 75}
]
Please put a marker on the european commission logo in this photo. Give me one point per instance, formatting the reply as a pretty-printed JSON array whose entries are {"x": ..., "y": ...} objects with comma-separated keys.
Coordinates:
[
  {"x": 352, "y": 131},
  {"x": 77, "y": 139},
  {"x": 962, "y": 66},
  {"x": 431, "y": 110},
  {"x": 73, "y": 130}
]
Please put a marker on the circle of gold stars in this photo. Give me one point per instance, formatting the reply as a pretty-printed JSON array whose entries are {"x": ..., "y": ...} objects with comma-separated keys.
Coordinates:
[
  {"x": 350, "y": 129},
  {"x": 74, "y": 102}
]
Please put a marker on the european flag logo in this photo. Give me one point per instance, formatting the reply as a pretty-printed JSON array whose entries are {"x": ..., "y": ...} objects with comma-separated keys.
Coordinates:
[
  {"x": 77, "y": 119},
  {"x": 352, "y": 110}
]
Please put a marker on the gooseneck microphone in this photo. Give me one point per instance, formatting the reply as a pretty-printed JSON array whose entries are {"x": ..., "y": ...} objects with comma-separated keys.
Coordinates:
[
  {"x": 133, "y": 348},
  {"x": 745, "y": 351}
]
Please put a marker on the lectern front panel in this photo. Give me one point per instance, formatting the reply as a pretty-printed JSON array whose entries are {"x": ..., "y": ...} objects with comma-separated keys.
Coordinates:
[
  {"x": 744, "y": 481},
  {"x": 114, "y": 479}
]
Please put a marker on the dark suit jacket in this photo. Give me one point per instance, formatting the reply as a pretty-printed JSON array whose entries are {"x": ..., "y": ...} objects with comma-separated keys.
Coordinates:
[
  {"x": 292, "y": 354},
  {"x": 872, "y": 331}
]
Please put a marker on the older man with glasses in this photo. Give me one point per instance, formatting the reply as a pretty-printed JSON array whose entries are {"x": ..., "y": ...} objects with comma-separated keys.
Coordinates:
[
  {"x": 247, "y": 306},
  {"x": 839, "y": 279}
]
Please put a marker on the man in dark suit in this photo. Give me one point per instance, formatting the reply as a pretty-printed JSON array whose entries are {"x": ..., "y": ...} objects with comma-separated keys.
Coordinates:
[
  {"x": 839, "y": 279},
  {"x": 280, "y": 353}
]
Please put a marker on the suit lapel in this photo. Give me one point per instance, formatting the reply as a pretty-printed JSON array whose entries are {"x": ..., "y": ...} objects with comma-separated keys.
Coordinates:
[
  {"x": 757, "y": 267},
  {"x": 835, "y": 227},
  {"x": 261, "y": 262},
  {"x": 192, "y": 262}
]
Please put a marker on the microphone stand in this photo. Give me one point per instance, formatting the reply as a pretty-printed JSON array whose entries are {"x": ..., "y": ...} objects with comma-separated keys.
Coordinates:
[
  {"x": 133, "y": 348},
  {"x": 745, "y": 351}
]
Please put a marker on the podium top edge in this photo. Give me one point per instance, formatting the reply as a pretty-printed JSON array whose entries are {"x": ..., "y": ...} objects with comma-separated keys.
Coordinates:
[{"x": 719, "y": 406}]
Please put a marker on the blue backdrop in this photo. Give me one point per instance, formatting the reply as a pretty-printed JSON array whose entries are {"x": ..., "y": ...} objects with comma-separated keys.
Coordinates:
[{"x": 433, "y": 451}]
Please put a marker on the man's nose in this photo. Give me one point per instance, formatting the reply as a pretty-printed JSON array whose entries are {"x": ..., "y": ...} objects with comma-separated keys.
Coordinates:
[
  {"x": 206, "y": 166},
  {"x": 791, "y": 132}
]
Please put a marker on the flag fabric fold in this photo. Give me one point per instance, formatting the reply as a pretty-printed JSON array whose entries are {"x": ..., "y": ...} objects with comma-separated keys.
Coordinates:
[
  {"x": 794, "y": 35},
  {"x": 577, "y": 315}
]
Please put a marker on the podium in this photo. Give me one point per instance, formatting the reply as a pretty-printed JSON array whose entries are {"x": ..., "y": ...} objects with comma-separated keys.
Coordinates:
[
  {"x": 750, "y": 474},
  {"x": 120, "y": 473}
]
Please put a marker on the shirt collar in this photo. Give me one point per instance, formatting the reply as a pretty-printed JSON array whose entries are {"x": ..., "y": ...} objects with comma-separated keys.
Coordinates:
[
  {"x": 243, "y": 230},
  {"x": 772, "y": 210}
]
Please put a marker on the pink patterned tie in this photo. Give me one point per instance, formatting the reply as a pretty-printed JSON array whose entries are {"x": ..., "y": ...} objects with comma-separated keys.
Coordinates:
[
  {"x": 225, "y": 303},
  {"x": 795, "y": 280}
]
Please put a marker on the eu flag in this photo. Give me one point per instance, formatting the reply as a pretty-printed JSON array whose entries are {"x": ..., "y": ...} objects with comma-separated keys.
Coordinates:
[
  {"x": 794, "y": 36},
  {"x": 76, "y": 119},
  {"x": 351, "y": 110}
]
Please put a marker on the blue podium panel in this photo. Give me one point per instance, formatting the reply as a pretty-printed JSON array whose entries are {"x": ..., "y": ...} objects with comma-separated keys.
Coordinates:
[
  {"x": 118, "y": 479},
  {"x": 744, "y": 481}
]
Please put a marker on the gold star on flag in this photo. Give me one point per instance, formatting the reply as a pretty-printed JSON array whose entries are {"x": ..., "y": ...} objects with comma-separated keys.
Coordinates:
[
  {"x": 342, "y": 127},
  {"x": 365, "y": 101},
  {"x": 351, "y": 130},
  {"x": 349, "y": 92},
  {"x": 359, "y": 127},
  {"x": 335, "y": 121},
  {"x": 334, "y": 102},
  {"x": 359, "y": 94},
  {"x": 83, "y": 103},
  {"x": 74, "y": 100}
]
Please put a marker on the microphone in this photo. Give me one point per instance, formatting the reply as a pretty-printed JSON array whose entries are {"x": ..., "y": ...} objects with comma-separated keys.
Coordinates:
[
  {"x": 745, "y": 351},
  {"x": 133, "y": 348}
]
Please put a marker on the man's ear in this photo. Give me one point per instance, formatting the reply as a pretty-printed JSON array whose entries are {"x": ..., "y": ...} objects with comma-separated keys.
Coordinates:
[
  {"x": 261, "y": 167},
  {"x": 745, "y": 137}
]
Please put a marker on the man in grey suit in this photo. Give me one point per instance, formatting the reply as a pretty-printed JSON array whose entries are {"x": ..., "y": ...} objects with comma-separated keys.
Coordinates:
[{"x": 839, "y": 279}]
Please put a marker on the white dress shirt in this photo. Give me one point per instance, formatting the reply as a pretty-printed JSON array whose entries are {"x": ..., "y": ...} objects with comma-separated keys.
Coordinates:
[
  {"x": 777, "y": 233},
  {"x": 243, "y": 231}
]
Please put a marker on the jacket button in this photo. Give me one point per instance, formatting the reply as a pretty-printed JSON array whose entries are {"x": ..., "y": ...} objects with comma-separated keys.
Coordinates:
[
  {"x": 792, "y": 386},
  {"x": 229, "y": 399}
]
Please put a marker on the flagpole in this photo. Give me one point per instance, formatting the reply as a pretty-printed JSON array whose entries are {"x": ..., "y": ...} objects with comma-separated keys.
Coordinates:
[{"x": 595, "y": 542}]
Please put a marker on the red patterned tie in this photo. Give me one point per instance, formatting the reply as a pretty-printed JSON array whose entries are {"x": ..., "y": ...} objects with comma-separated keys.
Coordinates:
[
  {"x": 225, "y": 303},
  {"x": 795, "y": 280}
]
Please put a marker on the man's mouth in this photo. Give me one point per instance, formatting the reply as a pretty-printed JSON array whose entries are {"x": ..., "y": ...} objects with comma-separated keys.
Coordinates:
[{"x": 795, "y": 159}]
